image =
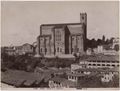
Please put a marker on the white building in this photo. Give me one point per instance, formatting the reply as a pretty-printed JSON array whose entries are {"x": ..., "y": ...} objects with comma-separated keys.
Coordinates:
[
  {"x": 101, "y": 61},
  {"x": 61, "y": 83}
]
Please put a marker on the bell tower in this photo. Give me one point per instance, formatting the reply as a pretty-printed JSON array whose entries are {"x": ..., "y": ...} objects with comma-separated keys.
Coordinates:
[
  {"x": 83, "y": 21},
  {"x": 83, "y": 18}
]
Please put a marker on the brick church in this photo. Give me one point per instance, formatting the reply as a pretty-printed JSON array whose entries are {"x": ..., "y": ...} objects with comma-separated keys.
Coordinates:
[{"x": 66, "y": 38}]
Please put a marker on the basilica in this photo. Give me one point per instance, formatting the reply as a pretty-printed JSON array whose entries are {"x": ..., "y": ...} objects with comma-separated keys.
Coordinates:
[{"x": 65, "y": 38}]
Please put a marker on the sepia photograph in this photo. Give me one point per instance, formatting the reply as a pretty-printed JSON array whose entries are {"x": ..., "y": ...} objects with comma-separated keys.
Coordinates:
[{"x": 60, "y": 45}]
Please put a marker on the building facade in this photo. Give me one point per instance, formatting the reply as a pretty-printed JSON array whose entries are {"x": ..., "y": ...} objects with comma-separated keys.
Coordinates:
[
  {"x": 101, "y": 61},
  {"x": 24, "y": 49},
  {"x": 61, "y": 83},
  {"x": 65, "y": 38}
]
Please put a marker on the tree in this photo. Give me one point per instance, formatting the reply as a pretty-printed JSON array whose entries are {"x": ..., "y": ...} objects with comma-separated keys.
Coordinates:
[
  {"x": 116, "y": 47},
  {"x": 93, "y": 43},
  {"x": 103, "y": 39},
  {"x": 111, "y": 40},
  {"x": 99, "y": 41},
  {"x": 107, "y": 41}
]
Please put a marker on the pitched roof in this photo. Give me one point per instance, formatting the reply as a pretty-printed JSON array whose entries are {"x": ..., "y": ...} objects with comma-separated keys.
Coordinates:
[
  {"x": 103, "y": 57},
  {"x": 64, "y": 81},
  {"x": 98, "y": 69},
  {"x": 58, "y": 79},
  {"x": 61, "y": 24},
  {"x": 73, "y": 27},
  {"x": 75, "y": 74}
]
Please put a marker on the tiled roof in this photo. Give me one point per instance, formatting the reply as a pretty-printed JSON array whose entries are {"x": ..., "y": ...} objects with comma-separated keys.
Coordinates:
[
  {"x": 73, "y": 27},
  {"x": 64, "y": 81},
  {"x": 75, "y": 74},
  {"x": 69, "y": 83},
  {"x": 103, "y": 57},
  {"x": 60, "y": 24},
  {"x": 98, "y": 69},
  {"x": 58, "y": 79}
]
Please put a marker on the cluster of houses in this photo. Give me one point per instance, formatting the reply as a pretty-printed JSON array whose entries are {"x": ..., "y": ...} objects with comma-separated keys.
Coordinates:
[
  {"x": 82, "y": 71},
  {"x": 105, "y": 49},
  {"x": 20, "y": 50},
  {"x": 64, "y": 39},
  {"x": 32, "y": 49}
]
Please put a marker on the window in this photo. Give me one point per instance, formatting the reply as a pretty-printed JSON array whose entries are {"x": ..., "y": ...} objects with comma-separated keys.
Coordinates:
[
  {"x": 72, "y": 77},
  {"x": 41, "y": 49},
  {"x": 72, "y": 50},
  {"x": 94, "y": 64},
  {"x": 103, "y": 61},
  {"x": 108, "y": 64},
  {"x": 41, "y": 39},
  {"x": 82, "y": 71},
  {"x": 113, "y": 65},
  {"x": 58, "y": 35},
  {"x": 98, "y": 61},
  {"x": 45, "y": 49},
  {"x": 77, "y": 49},
  {"x": 78, "y": 38},
  {"x": 72, "y": 39},
  {"x": 103, "y": 64},
  {"x": 58, "y": 49},
  {"x": 113, "y": 61},
  {"x": 98, "y": 64},
  {"x": 69, "y": 77},
  {"x": 82, "y": 17}
]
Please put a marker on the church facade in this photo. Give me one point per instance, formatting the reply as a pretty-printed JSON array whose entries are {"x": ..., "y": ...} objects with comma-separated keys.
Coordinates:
[{"x": 66, "y": 38}]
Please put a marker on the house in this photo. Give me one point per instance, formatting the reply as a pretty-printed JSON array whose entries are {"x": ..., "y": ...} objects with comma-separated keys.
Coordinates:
[
  {"x": 115, "y": 42},
  {"x": 8, "y": 50},
  {"x": 61, "y": 83},
  {"x": 24, "y": 49},
  {"x": 106, "y": 50},
  {"x": 101, "y": 61}
]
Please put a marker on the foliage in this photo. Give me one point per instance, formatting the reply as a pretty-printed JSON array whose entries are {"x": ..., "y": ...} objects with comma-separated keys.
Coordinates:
[
  {"x": 20, "y": 62},
  {"x": 95, "y": 81},
  {"x": 94, "y": 43},
  {"x": 116, "y": 47},
  {"x": 57, "y": 62}
]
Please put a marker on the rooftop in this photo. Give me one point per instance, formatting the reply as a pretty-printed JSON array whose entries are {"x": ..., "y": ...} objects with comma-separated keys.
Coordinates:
[
  {"x": 74, "y": 28},
  {"x": 103, "y": 58},
  {"x": 63, "y": 81},
  {"x": 99, "y": 69},
  {"x": 61, "y": 24}
]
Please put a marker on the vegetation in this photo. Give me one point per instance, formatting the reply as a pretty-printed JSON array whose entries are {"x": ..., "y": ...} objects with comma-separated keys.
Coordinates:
[
  {"x": 95, "y": 82},
  {"x": 57, "y": 62},
  {"x": 94, "y": 43},
  {"x": 28, "y": 63},
  {"x": 21, "y": 62}
]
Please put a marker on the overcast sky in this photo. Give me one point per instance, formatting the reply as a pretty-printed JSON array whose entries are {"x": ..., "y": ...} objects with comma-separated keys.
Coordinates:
[{"x": 21, "y": 20}]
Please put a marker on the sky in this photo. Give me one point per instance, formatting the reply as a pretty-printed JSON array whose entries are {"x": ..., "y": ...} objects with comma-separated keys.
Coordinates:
[{"x": 21, "y": 20}]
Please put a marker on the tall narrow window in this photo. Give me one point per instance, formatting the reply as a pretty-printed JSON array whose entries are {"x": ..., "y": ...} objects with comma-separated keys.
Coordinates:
[
  {"x": 58, "y": 49},
  {"x": 77, "y": 49},
  {"x": 72, "y": 50},
  {"x": 45, "y": 49},
  {"x": 41, "y": 49}
]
